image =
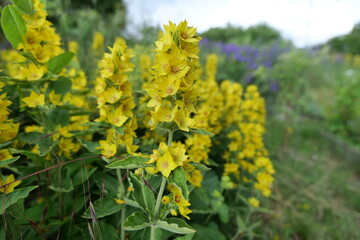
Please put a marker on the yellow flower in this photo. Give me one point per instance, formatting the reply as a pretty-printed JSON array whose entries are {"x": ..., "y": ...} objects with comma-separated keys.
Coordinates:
[
  {"x": 196, "y": 178},
  {"x": 165, "y": 164},
  {"x": 9, "y": 188},
  {"x": 165, "y": 113},
  {"x": 254, "y": 202},
  {"x": 34, "y": 99},
  {"x": 178, "y": 196},
  {"x": 31, "y": 71},
  {"x": 183, "y": 120},
  {"x": 173, "y": 212},
  {"x": 185, "y": 211},
  {"x": 107, "y": 149},
  {"x": 177, "y": 151},
  {"x": 55, "y": 98},
  {"x": 119, "y": 201},
  {"x": 5, "y": 154},
  {"x": 165, "y": 200},
  {"x": 117, "y": 118}
]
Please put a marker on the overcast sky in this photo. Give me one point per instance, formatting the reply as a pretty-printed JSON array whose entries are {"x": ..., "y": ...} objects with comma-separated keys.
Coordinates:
[{"x": 305, "y": 22}]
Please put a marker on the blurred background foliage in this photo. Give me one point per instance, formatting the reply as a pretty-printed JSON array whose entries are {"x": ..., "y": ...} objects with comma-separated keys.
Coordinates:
[{"x": 313, "y": 101}]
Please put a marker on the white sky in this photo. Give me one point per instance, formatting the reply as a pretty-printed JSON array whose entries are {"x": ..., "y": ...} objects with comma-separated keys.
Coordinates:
[{"x": 305, "y": 22}]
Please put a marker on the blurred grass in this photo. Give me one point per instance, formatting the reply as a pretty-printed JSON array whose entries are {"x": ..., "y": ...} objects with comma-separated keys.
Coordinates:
[{"x": 316, "y": 192}]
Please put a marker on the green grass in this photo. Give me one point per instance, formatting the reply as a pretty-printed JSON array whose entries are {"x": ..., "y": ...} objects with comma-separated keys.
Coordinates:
[{"x": 317, "y": 192}]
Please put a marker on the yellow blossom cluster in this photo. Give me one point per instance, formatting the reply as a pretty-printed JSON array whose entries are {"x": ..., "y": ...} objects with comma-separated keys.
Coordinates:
[
  {"x": 209, "y": 111},
  {"x": 97, "y": 45},
  {"x": 167, "y": 158},
  {"x": 174, "y": 73},
  {"x": 40, "y": 41},
  {"x": 247, "y": 156},
  {"x": 114, "y": 98},
  {"x": 8, "y": 130}
]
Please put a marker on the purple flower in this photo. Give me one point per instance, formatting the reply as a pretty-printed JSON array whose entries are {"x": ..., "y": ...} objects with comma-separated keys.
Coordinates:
[{"x": 274, "y": 86}]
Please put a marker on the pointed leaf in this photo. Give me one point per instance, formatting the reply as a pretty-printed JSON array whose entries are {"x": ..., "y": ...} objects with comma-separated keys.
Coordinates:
[
  {"x": 175, "y": 225},
  {"x": 8, "y": 161},
  {"x": 129, "y": 163},
  {"x": 91, "y": 146},
  {"x": 13, "y": 25},
  {"x": 13, "y": 197},
  {"x": 202, "y": 132},
  {"x": 136, "y": 221},
  {"x": 142, "y": 194},
  {"x": 57, "y": 63}
]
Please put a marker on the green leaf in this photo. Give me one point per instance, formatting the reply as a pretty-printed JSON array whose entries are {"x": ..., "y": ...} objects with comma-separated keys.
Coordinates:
[
  {"x": 186, "y": 237},
  {"x": 240, "y": 223},
  {"x": 44, "y": 141},
  {"x": 5, "y": 144},
  {"x": 209, "y": 232},
  {"x": 57, "y": 63},
  {"x": 119, "y": 130},
  {"x": 104, "y": 207},
  {"x": 200, "y": 166},
  {"x": 61, "y": 86},
  {"x": 175, "y": 225},
  {"x": 142, "y": 194},
  {"x": 13, "y": 197},
  {"x": 58, "y": 116},
  {"x": 136, "y": 221},
  {"x": 65, "y": 185},
  {"x": 33, "y": 156},
  {"x": 91, "y": 146},
  {"x": 202, "y": 131},
  {"x": 129, "y": 163},
  {"x": 24, "y": 5},
  {"x": 13, "y": 25},
  {"x": 178, "y": 178},
  {"x": 224, "y": 213},
  {"x": 8, "y": 161}
]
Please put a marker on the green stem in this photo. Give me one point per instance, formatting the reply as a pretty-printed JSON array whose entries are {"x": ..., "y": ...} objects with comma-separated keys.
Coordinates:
[
  {"x": 122, "y": 195},
  {"x": 160, "y": 194}
]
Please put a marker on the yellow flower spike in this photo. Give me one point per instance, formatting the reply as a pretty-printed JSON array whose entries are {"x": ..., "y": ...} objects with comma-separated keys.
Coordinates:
[
  {"x": 165, "y": 200},
  {"x": 9, "y": 188},
  {"x": 165, "y": 164},
  {"x": 34, "y": 100},
  {"x": 254, "y": 202}
]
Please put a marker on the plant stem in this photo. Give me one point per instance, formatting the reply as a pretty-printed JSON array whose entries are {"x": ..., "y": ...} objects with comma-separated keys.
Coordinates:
[
  {"x": 123, "y": 210},
  {"x": 160, "y": 194}
]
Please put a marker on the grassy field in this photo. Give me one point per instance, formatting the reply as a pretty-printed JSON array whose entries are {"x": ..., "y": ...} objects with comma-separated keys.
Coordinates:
[{"x": 317, "y": 190}]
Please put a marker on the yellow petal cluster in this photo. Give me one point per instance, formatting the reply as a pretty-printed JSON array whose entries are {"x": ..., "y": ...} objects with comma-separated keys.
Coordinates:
[
  {"x": 114, "y": 97},
  {"x": 175, "y": 71}
]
